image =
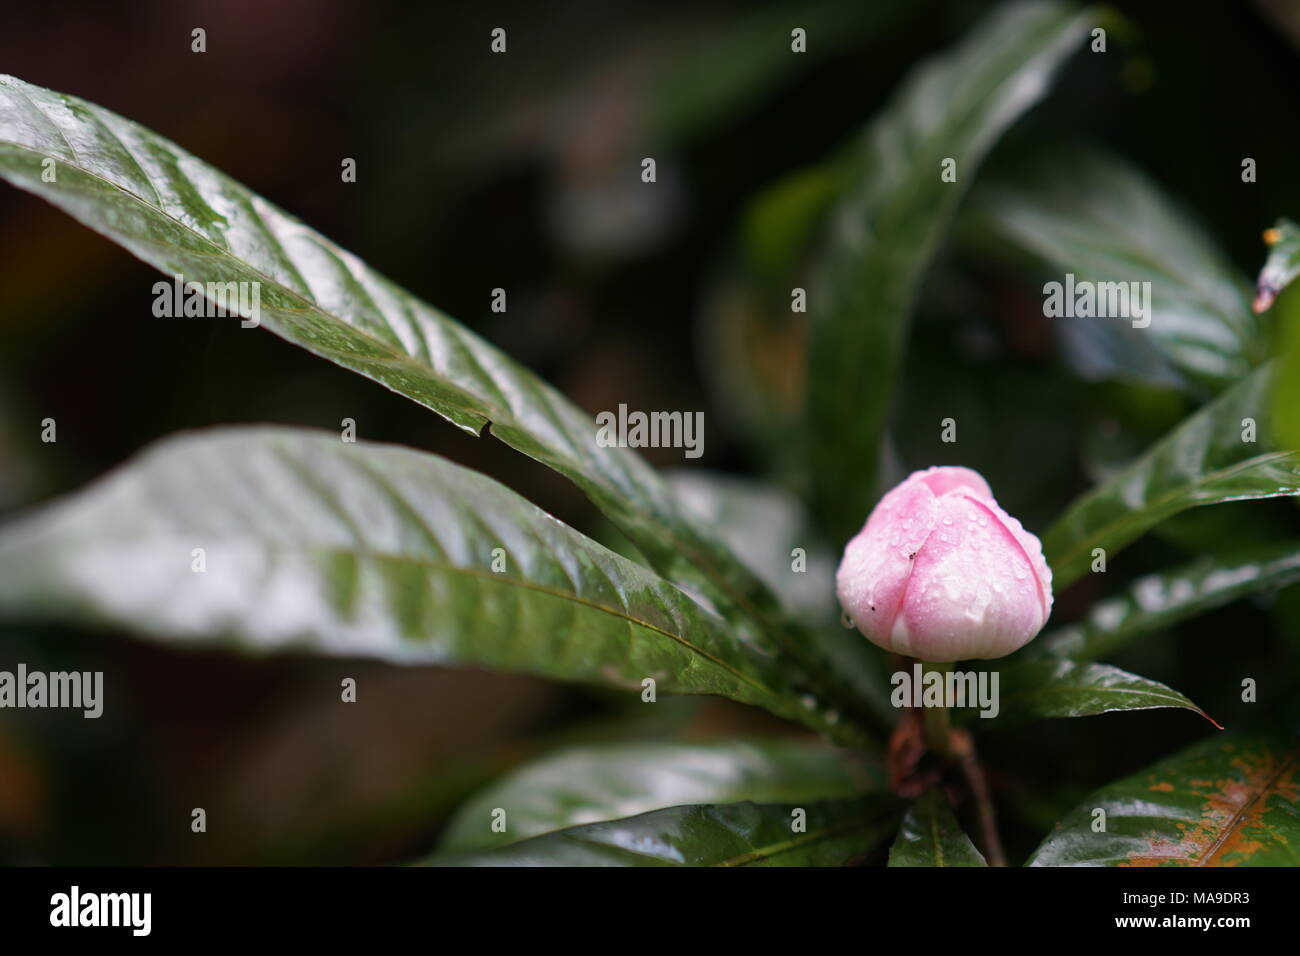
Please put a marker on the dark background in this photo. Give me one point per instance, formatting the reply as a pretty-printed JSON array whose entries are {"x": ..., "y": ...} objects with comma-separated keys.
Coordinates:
[{"x": 477, "y": 171}]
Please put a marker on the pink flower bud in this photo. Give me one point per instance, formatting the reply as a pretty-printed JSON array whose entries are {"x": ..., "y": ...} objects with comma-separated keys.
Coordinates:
[{"x": 940, "y": 572}]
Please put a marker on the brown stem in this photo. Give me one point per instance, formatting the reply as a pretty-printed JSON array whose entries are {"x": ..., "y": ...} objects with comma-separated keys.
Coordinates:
[{"x": 963, "y": 746}]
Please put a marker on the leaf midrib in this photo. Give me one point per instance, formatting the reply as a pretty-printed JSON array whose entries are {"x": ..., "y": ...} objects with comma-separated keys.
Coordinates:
[
  {"x": 1050, "y": 691},
  {"x": 933, "y": 820},
  {"x": 504, "y": 580},
  {"x": 1235, "y": 823},
  {"x": 773, "y": 850}
]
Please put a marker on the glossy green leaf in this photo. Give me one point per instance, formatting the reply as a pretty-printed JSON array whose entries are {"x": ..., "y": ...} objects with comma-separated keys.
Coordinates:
[
  {"x": 891, "y": 218},
  {"x": 1052, "y": 687},
  {"x": 180, "y": 215},
  {"x": 184, "y": 217},
  {"x": 1080, "y": 211},
  {"x": 931, "y": 836},
  {"x": 1203, "y": 461},
  {"x": 365, "y": 550},
  {"x": 1282, "y": 265},
  {"x": 1233, "y": 800},
  {"x": 833, "y": 833},
  {"x": 1158, "y": 601},
  {"x": 592, "y": 784}
]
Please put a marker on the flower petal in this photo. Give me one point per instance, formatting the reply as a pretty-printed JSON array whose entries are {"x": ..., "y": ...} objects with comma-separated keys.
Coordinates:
[
  {"x": 877, "y": 563},
  {"x": 974, "y": 592}
]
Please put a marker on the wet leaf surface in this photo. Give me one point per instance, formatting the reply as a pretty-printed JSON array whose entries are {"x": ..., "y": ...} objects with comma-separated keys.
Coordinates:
[
  {"x": 738, "y": 834},
  {"x": 1229, "y": 801},
  {"x": 585, "y": 785},
  {"x": 931, "y": 836}
]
